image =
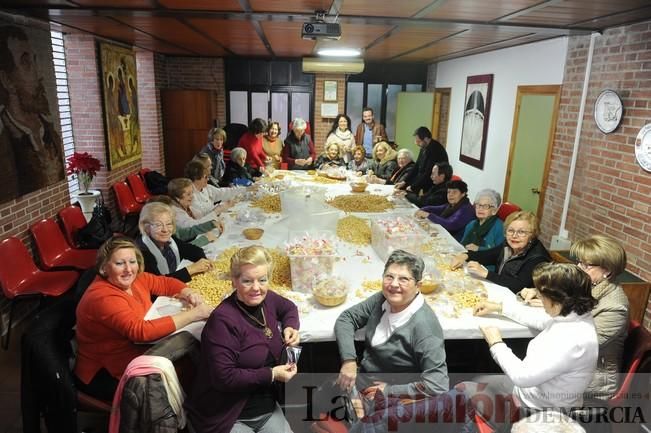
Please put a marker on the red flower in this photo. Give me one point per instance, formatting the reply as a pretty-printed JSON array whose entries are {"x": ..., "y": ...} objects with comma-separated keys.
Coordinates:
[{"x": 84, "y": 166}]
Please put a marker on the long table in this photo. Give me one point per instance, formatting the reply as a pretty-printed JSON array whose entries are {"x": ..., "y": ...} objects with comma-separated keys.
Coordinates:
[{"x": 356, "y": 264}]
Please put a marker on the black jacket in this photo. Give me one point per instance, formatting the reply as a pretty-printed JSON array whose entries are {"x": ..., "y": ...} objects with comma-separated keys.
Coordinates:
[
  {"x": 186, "y": 251},
  {"x": 402, "y": 174},
  {"x": 235, "y": 171},
  {"x": 516, "y": 272},
  {"x": 427, "y": 157},
  {"x": 437, "y": 195}
]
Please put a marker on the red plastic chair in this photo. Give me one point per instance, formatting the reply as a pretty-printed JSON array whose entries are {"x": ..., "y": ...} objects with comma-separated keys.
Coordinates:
[
  {"x": 138, "y": 188},
  {"x": 507, "y": 209},
  {"x": 20, "y": 278},
  {"x": 54, "y": 250},
  {"x": 143, "y": 171},
  {"x": 72, "y": 219},
  {"x": 127, "y": 204},
  {"x": 637, "y": 358}
]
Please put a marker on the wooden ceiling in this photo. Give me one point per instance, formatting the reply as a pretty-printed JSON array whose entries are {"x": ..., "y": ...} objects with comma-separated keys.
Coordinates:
[{"x": 386, "y": 30}]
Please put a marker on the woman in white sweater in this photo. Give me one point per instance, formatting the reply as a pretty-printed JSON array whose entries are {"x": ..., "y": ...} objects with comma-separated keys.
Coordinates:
[
  {"x": 560, "y": 360},
  {"x": 204, "y": 195}
]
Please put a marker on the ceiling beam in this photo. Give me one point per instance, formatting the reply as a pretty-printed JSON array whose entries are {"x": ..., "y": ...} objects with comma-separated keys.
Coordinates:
[{"x": 246, "y": 7}]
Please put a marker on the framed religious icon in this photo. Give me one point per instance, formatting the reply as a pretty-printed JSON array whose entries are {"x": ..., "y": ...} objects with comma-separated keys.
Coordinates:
[
  {"x": 475, "y": 119},
  {"x": 329, "y": 90},
  {"x": 608, "y": 111}
]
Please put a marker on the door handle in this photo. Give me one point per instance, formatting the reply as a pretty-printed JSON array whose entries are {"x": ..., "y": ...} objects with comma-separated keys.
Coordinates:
[{"x": 535, "y": 190}]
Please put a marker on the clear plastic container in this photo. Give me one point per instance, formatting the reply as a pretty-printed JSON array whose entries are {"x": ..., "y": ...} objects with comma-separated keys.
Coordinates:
[
  {"x": 311, "y": 254},
  {"x": 396, "y": 232}
]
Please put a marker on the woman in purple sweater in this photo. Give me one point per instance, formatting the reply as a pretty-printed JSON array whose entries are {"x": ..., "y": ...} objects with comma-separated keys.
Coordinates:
[
  {"x": 455, "y": 215},
  {"x": 241, "y": 348}
]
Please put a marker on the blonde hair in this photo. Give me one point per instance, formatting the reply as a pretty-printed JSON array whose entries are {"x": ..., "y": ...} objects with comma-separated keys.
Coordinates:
[
  {"x": 328, "y": 146},
  {"x": 255, "y": 255},
  {"x": 152, "y": 210},
  {"x": 388, "y": 156},
  {"x": 523, "y": 215},
  {"x": 176, "y": 186},
  {"x": 602, "y": 251},
  {"x": 109, "y": 247},
  {"x": 216, "y": 132}
]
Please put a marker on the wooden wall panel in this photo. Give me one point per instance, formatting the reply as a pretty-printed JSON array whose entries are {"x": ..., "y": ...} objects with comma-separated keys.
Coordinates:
[
  {"x": 383, "y": 8},
  {"x": 239, "y": 36},
  {"x": 285, "y": 39},
  {"x": 221, "y": 5},
  {"x": 407, "y": 39}
]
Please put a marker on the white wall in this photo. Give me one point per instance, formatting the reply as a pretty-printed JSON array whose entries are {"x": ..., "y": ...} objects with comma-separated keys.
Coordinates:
[{"x": 533, "y": 64}]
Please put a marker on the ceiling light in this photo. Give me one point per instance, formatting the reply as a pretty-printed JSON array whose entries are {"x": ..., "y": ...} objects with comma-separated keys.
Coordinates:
[{"x": 339, "y": 52}]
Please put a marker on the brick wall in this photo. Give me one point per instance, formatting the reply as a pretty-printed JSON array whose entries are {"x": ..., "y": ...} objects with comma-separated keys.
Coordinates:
[
  {"x": 323, "y": 125},
  {"x": 201, "y": 73},
  {"x": 611, "y": 194}
]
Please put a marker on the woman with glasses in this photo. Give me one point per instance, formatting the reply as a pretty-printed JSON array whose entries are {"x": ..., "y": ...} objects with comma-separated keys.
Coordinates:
[
  {"x": 241, "y": 349},
  {"x": 487, "y": 231},
  {"x": 162, "y": 252},
  {"x": 402, "y": 335},
  {"x": 603, "y": 259},
  {"x": 514, "y": 260}
]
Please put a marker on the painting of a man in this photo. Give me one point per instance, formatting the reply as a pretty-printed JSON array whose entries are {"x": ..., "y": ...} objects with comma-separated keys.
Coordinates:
[{"x": 31, "y": 153}]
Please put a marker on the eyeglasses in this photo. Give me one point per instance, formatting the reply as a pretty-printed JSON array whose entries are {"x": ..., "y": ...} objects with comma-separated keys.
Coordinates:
[
  {"x": 585, "y": 265},
  {"x": 484, "y": 206},
  {"x": 518, "y": 233},
  {"x": 248, "y": 283},
  {"x": 159, "y": 226},
  {"x": 402, "y": 280}
]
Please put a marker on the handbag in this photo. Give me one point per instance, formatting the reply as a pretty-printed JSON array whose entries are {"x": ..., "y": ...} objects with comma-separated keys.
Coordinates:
[{"x": 98, "y": 230}]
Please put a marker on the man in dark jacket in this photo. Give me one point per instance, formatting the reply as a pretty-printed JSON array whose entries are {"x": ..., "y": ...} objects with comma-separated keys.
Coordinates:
[
  {"x": 437, "y": 192},
  {"x": 431, "y": 152}
]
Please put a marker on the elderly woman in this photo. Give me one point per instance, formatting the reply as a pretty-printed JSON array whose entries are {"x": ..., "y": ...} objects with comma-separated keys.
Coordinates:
[
  {"x": 111, "y": 316},
  {"x": 456, "y": 214},
  {"x": 514, "y": 260},
  {"x": 161, "y": 251},
  {"x": 272, "y": 145},
  {"x": 205, "y": 196},
  {"x": 214, "y": 149},
  {"x": 603, "y": 258},
  {"x": 299, "y": 152},
  {"x": 384, "y": 162},
  {"x": 406, "y": 164},
  {"x": 251, "y": 141},
  {"x": 487, "y": 231},
  {"x": 198, "y": 234},
  {"x": 341, "y": 134},
  {"x": 560, "y": 360},
  {"x": 329, "y": 158},
  {"x": 359, "y": 164},
  {"x": 241, "y": 349},
  {"x": 238, "y": 172},
  {"x": 181, "y": 192}
]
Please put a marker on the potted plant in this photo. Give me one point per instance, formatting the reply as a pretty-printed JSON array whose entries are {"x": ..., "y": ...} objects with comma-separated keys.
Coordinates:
[{"x": 85, "y": 167}]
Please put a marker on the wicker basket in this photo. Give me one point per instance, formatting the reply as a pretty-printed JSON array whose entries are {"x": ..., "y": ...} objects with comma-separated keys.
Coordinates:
[
  {"x": 252, "y": 234},
  {"x": 330, "y": 301}
]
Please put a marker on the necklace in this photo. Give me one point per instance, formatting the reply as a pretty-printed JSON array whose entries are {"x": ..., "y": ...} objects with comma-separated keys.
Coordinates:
[{"x": 267, "y": 331}]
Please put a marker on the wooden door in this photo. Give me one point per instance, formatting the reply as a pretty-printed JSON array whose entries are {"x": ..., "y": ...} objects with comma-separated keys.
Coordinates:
[
  {"x": 441, "y": 115},
  {"x": 187, "y": 117},
  {"x": 534, "y": 125}
]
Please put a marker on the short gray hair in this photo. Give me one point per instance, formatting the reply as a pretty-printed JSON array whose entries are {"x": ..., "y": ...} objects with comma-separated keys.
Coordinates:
[
  {"x": 414, "y": 263},
  {"x": 547, "y": 422},
  {"x": 407, "y": 152},
  {"x": 299, "y": 123},
  {"x": 152, "y": 210},
  {"x": 492, "y": 195},
  {"x": 237, "y": 152}
]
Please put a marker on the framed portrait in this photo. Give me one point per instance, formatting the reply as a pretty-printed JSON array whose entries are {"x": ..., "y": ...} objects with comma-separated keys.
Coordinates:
[
  {"x": 475, "y": 119},
  {"x": 329, "y": 90},
  {"x": 31, "y": 150},
  {"x": 120, "y": 100}
]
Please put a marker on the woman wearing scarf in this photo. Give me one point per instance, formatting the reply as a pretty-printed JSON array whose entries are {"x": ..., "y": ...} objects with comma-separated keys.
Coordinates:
[
  {"x": 384, "y": 163},
  {"x": 487, "y": 231},
  {"x": 455, "y": 215},
  {"x": 162, "y": 253},
  {"x": 272, "y": 144},
  {"x": 343, "y": 136},
  {"x": 215, "y": 150}
]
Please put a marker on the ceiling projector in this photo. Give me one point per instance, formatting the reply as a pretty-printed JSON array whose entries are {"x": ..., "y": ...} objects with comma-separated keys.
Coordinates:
[{"x": 321, "y": 30}]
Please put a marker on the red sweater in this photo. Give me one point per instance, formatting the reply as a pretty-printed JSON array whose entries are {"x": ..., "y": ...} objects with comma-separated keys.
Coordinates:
[
  {"x": 255, "y": 155},
  {"x": 109, "y": 321}
]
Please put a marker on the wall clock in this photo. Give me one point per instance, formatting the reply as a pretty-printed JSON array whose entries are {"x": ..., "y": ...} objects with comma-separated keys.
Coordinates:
[
  {"x": 608, "y": 111},
  {"x": 643, "y": 147}
]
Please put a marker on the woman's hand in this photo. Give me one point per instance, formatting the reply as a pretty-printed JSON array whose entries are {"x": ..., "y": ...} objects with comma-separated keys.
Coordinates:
[
  {"x": 291, "y": 336},
  {"x": 219, "y": 225},
  {"x": 308, "y": 161},
  {"x": 530, "y": 297},
  {"x": 421, "y": 214},
  {"x": 472, "y": 247},
  {"x": 486, "y": 307},
  {"x": 210, "y": 236},
  {"x": 347, "y": 375},
  {"x": 284, "y": 373},
  {"x": 369, "y": 393},
  {"x": 191, "y": 297},
  {"x": 224, "y": 206},
  {"x": 201, "y": 312},
  {"x": 458, "y": 261},
  {"x": 400, "y": 185},
  {"x": 200, "y": 266},
  {"x": 477, "y": 270},
  {"x": 491, "y": 334}
]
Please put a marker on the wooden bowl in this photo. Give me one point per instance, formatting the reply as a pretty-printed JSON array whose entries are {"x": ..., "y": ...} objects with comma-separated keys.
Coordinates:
[
  {"x": 252, "y": 234},
  {"x": 330, "y": 301},
  {"x": 428, "y": 286},
  {"x": 358, "y": 187}
]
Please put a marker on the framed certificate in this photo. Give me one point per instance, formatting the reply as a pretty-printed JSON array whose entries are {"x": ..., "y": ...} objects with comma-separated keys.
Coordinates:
[{"x": 329, "y": 90}]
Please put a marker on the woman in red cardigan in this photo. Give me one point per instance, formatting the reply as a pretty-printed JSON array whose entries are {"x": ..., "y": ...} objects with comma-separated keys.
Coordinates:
[
  {"x": 251, "y": 141},
  {"x": 111, "y": 316}
]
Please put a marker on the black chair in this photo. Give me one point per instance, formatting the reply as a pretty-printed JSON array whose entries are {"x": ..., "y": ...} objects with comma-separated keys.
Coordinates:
[{"x": 234, "y": 131}]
